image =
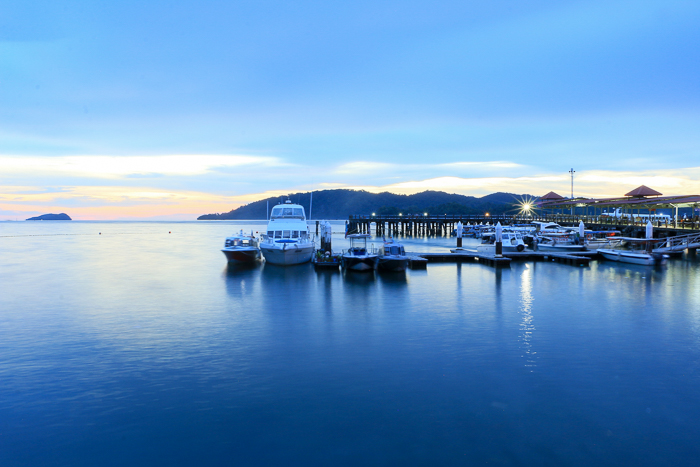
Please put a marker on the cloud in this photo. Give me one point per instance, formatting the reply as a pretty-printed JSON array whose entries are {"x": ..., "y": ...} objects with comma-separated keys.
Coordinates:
[
  {"x": 360, "y": 167},
  {"x": 115, "y": 202},
  {"x": 116, "y": 167},
  {"x": 121, "y": 202}
]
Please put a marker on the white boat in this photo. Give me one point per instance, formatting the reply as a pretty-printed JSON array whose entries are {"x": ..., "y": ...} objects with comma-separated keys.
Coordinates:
[
  {"x": 601, "y": 238},
  {"x": 357, "y": 257},
  {"x": 288, "y": 240},
  {"x": 392, "y": 256},
  {"x": 559, "y": 241},
  {"x": 512, "y": 241},
  {"x": 634, "y": 251},
  {"x": 241, "y": 248}
]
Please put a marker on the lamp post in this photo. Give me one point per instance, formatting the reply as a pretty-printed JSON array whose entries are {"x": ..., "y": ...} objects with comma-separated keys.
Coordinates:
[{"x": 572, "y": 171}]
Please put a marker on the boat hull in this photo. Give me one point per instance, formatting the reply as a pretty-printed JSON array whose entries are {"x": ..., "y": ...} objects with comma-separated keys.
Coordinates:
[
  {"x": 491, "y": 248},
  {"x": 561, "y": 248},
  {"x": 630, "y": 257},
  {"x": 241, "y": 255},
  {"x": 393, "y": 263},
  {"x": 360, "y": 263},
  {"x": 287, "y": 255}
]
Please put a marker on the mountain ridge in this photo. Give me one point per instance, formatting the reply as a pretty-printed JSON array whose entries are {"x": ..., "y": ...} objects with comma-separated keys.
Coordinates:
[{"x": 341, "y": 203}]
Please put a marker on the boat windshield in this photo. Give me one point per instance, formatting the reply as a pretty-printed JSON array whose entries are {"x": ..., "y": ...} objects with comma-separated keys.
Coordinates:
[
  {"x": 395, "y": 250},
  {"x": 286, "y": 212}
]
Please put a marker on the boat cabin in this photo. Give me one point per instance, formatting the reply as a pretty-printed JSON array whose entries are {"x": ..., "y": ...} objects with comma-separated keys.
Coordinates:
[
  {"x": 393, "y": 249},
  {"x": 239, "y": 242},
  {"x": 358, "y": 244},
  {"x": 288, "y": 212},
  {"x": 287, "y": 234}
]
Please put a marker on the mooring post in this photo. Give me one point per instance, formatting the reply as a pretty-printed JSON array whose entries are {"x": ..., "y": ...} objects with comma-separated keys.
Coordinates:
[{"x": 499, "y": 241}]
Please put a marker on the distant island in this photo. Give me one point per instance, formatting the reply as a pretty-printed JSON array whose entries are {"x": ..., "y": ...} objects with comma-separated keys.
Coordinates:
[
  {"x": 340, "y": 204},
  {"x": 51, "y": 217}
]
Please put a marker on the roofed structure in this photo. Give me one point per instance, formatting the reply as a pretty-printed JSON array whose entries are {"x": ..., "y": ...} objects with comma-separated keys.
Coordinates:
[
  {"x": 641, "y": 197},
  {"x": 551, "y": 196},
  {"x": 643, "y": 191}
]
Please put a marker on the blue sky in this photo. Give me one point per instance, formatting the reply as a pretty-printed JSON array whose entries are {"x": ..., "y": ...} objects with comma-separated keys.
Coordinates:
[{"x": 173, "y": 109}]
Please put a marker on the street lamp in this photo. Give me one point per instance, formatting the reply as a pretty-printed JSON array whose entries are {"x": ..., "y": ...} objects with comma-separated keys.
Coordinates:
[{"x": 572, "y": 171}]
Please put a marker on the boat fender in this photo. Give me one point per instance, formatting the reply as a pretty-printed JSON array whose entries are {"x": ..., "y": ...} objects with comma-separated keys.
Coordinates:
[{"x": 520, "y": 247}]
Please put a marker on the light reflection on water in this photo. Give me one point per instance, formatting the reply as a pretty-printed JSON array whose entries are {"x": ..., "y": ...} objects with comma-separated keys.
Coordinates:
[
  {"x": 527, "y": 326},
  {"x": 141, "y": 346}
]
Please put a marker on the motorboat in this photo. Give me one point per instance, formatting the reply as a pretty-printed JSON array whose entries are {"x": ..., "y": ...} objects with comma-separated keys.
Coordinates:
[
  {"x": 392, "y": 256},
  {"x": 559, "y": 241},
  {"x": 241, "y": 248},
  {"x": 358, "y": 257},
  {"x": 595, "y": 239},
  {"x": 634, "y": 251},
  {"x": 288, "y": 240},
  {"x": 512, "y": 241}
]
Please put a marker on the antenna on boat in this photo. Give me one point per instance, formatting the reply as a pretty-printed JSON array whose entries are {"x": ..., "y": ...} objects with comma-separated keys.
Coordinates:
[
  {"x": 267, "y": 211},
  {"x": 311, "y": 203}
]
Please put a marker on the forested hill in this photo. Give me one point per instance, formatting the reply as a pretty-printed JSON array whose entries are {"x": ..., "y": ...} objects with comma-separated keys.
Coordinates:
[{"x": 339, "y": 204}]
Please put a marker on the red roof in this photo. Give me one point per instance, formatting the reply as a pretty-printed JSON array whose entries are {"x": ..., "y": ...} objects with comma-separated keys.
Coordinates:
[
  {"x": 551, "y": 195},
  {"x": 643, "y": 191}
]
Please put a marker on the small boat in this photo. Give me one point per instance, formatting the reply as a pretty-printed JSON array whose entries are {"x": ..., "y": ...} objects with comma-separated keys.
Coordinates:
[
  {"x": 326, "y": 260},
  {"x": 512, "y": 241},
  {"x": 634, "y": 251},
  {"x": 559, "y": 241},
  {"x": 357, "y": 257},
  {"x": 288, "y": 240},
  {"x": 392, "y": 256},
  {"x": 241, "y": 248},
  {"x": 601, "y": 238}
]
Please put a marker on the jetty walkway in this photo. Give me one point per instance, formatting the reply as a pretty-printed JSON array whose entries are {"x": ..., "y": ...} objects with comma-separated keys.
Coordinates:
[{"x": 443, "y": 225}]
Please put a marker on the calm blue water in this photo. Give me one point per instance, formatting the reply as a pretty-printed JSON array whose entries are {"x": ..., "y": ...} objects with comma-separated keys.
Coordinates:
[{"x": 142, "y": 347}]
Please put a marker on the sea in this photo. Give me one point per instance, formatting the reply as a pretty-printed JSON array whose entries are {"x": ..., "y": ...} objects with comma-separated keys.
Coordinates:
[{"x": 136, "y": 344}]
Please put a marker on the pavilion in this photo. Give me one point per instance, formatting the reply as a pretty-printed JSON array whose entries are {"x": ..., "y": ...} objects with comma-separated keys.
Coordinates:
[{"x": 640, "y": 199}]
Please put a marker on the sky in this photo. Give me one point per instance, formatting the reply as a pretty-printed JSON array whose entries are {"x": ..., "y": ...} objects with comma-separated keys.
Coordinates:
[{"x": 173, "y": 109}]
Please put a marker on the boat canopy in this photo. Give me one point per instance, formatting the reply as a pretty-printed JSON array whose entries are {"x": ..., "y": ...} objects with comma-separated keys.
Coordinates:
[{"x": 288, "y": 211}]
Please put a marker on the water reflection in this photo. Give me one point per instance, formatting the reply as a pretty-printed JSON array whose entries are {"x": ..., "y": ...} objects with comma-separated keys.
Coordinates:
[
  {"x": 241, "y": 279},
  {"x": 393, "y": 278},
  {"x": 527, "y": 326},
  {"x": 359, "y": 277}
]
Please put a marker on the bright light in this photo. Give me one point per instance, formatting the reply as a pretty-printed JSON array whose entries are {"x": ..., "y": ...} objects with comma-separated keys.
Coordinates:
[
  {"x": 525, "y": 205},
  {"x": 487, "y": 214},
  {"x": 425, "y": 213},
  {"x": 373, "y": 214},
  {"x": 400, "y": 214}
]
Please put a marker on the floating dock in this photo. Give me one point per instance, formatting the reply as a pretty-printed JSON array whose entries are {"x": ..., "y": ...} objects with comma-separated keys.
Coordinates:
[{"x": 581, "y": 258}]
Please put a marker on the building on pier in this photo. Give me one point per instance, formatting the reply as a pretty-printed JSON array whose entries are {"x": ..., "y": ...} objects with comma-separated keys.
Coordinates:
[
  {"x": 633, "y": 209},
  {"x": 642, "y": 202}
]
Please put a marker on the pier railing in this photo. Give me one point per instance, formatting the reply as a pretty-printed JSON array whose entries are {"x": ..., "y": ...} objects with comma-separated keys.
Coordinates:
[{"x": 417, "y": 224}]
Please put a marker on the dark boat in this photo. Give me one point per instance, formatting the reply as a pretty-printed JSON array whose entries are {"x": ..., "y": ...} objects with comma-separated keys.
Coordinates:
[
  {"x": 241, "y": 248},
  {"x": 357, "y": 257},
  {"x": 392, "y": 256}
]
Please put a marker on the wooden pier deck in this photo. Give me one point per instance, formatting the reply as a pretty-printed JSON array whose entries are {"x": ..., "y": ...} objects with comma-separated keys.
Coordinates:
[{"x": 582, "y": 258}]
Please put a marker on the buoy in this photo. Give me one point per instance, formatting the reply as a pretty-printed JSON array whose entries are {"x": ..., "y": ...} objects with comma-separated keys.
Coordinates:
[
  {"x": 100, "y": 233},
  {"x": 168, "y": 231}
]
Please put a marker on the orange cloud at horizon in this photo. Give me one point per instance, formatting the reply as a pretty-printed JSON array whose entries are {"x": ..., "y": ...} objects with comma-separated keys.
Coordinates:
[{"x": 117, "y": 202}]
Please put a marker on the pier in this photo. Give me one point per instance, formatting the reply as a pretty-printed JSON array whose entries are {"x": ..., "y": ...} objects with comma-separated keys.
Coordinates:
[
  {"x": 581, "y": 258},
  {"x": 443, "y": 226}
]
